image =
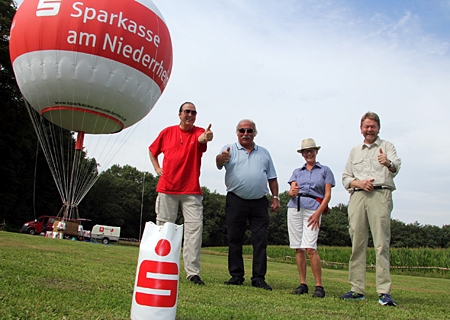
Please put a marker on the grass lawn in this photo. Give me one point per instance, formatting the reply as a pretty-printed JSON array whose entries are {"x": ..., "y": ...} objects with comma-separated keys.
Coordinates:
[{"x": 42, "y": 278}]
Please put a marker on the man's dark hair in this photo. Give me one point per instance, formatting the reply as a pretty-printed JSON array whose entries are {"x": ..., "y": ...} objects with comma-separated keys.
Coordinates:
[{"x": 187, "y": 102}]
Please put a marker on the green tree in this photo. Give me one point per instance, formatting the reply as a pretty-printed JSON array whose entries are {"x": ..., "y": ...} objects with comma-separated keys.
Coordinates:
[
  {"x": 431, "y": 236},
  {"x": 119, "y": 198},
  {"x": 445, "y": 236},
  {"x": 398, "y": 233},
  {"x": 334, "y": 228},
  {"x": 278, "y": 231},
  {"x": 27, "y": 189},
  {"x": 214, "y": 224}
]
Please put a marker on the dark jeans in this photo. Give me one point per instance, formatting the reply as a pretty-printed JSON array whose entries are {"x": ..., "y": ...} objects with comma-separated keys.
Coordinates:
[{"x": 238, "y": 211}]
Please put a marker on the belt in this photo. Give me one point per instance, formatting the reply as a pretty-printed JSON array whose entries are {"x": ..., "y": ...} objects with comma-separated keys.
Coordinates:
[
  {"x": 375, "y": 188},
  {"x": 319, "y": 200},
  {"x": 306, "y": 195}
]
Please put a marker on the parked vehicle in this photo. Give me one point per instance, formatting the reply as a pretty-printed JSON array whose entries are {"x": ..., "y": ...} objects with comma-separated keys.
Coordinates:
[
  {"x": 105, "y": 234},
  {"x": 39, "y": 225},
  {"x": 43, "y": 224}
]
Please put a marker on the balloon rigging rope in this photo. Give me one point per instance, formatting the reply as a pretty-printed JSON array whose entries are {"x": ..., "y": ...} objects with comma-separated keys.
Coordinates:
[
  {"x": 34, "y": 180},
  {"x": 73, "y": 174},
  {"x": 43, "y": 140},
  {"x": 142, "y": 206}
]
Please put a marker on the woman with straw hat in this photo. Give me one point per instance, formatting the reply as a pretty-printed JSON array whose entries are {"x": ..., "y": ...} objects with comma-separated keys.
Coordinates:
[{"x": 310, "y": 192}]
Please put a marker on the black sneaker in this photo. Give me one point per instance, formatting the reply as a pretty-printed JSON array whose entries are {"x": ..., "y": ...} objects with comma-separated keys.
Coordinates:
[
  {"x": 260, "y": 283},
  {"x": 303, "y": 288},
  {"x": 197, "y": 280},
  {"x": 235, "y": 281},
  {"x": 319, "y": 293}
]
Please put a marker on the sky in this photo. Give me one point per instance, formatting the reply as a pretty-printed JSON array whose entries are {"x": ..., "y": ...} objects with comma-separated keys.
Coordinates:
[{"x": 311, "y": 69}]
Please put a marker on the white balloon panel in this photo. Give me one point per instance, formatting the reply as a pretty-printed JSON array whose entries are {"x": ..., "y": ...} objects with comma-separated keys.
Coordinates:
[{"x": 82, "y": 92}]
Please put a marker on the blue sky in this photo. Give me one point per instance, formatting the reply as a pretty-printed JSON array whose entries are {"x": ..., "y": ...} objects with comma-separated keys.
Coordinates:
[
  {"x": 432, "y": 15},
  {"x": 309, "y": 68}
]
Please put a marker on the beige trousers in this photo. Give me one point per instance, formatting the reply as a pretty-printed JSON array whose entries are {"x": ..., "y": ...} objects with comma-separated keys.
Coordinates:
[
  {"x": 370, "y": 209},
  {"x": 166, "y": 208}
]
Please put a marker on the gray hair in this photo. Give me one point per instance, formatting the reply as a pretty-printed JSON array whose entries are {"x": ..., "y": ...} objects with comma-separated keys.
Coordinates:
[{"x": 255, "y": 132}]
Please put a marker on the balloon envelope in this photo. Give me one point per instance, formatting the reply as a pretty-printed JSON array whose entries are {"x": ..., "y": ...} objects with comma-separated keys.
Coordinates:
[{"x": 96, "y": 66}]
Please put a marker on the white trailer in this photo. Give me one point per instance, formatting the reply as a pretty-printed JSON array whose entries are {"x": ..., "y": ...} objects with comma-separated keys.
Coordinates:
[{"x": 105, "y": 234}]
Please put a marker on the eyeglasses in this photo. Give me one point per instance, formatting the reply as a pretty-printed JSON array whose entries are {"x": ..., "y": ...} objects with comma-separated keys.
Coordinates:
[
  {"x": 306, "y": 151},
  {"x": 243, "y": 130},
  {"x": 187, "y": 111}
]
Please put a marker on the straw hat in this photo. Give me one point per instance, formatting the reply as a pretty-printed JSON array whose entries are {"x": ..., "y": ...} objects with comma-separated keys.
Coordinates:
[{"x": 308, "y": 144}]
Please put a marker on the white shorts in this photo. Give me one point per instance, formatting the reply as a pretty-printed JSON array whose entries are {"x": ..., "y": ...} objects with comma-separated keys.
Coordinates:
[{"x": 300, "y": 235}]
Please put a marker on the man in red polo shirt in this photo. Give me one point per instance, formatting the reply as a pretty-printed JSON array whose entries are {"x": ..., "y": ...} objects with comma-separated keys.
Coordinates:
[{"x": 183, "y": 146}]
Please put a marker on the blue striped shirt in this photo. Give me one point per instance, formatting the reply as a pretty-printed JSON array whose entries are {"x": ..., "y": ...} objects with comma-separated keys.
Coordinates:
[
  {"x": 311, "y": 182},
  {"x": 246, "y": 174}
]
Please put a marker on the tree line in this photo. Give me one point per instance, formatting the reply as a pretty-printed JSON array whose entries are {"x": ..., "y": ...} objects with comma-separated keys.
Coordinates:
[{"x": 124, "y": 196}]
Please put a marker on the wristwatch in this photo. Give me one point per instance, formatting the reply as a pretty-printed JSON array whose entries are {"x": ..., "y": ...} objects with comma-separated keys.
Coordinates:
[
  {"x": 276, "y": 197},
  {"x": 390, "y": 164}
]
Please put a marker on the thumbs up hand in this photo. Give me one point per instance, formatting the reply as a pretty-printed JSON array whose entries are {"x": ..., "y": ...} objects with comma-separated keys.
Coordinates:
[
  {"x": 382, "y": 159},
  {"x": 294, "y": 189},
  {"x": 206, "y": 136},
  {"x": 226, "y": 155},
  {"x": 209, "y": 134},
  {"x": 223, "y": 158}
]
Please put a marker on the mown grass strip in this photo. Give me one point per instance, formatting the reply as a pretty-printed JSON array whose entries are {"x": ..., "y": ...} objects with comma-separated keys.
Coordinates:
[
  {"x": 416, "y": 261},
  {"x": 43, "y": 278}
]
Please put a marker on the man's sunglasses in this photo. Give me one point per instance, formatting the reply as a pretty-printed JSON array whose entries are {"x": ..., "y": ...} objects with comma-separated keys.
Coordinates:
[
  {"x": 242, "y": 130},
  {"x": 187, "y": 111}
]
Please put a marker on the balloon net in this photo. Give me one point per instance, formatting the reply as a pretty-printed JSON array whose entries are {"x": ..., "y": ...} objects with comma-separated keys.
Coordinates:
[{"x": 73, "y": 168}]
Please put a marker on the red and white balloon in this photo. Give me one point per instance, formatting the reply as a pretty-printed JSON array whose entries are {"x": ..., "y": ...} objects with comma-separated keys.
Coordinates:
[{"x": 95, "y": 66}]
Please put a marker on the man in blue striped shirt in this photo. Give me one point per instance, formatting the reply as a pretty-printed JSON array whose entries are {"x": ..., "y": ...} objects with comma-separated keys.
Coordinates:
[{"x": 250, "y": 174}]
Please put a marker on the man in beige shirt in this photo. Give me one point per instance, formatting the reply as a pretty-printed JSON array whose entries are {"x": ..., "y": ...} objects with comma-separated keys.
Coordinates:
[{"x": 369, "y": 177}]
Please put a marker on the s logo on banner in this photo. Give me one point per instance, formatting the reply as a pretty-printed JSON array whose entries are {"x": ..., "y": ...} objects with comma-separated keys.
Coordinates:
[
  {"x": 158, "y": 280},
  {"x": 48, "y": 8}
]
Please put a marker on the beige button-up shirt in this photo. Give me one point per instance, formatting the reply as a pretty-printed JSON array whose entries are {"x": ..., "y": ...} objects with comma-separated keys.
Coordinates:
[{"x": 362, "y": 164}]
